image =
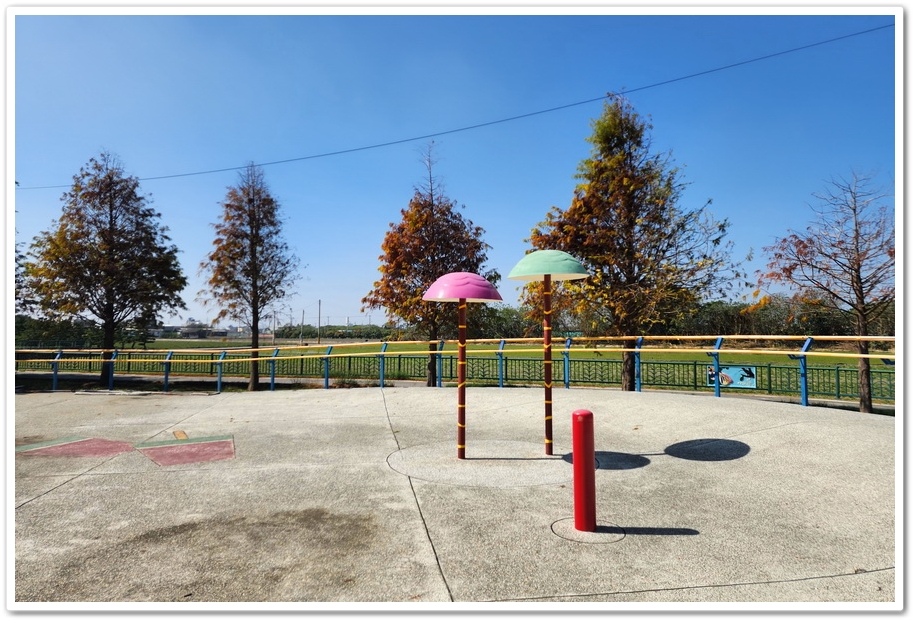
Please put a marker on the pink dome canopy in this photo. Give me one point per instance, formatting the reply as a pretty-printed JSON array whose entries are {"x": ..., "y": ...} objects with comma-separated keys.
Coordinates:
[{"x": 456, "y": 286}]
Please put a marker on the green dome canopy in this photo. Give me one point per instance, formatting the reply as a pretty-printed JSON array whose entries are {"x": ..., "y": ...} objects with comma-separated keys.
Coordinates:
[{"x": 561, "y": 266}]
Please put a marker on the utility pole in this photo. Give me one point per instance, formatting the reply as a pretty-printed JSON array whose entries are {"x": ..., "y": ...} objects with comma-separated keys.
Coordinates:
[
  {"x": 301, "y": 327},
  {"x": 319, "y": 321}
]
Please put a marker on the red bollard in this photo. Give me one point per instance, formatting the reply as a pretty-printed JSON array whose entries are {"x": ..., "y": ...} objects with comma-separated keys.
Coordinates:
[{"x": 583, "y": 440}]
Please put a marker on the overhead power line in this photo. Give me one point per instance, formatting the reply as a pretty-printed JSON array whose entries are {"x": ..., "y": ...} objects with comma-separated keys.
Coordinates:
[{"x": 503, "y": 120}]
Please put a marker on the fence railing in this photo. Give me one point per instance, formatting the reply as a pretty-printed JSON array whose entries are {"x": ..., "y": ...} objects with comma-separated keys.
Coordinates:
[{"x": 505, "y": 362}]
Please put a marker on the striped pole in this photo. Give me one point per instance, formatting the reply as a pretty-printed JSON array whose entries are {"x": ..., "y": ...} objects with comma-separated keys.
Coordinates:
[
  {"x": 462, "y": 377},
  {"x": 548, "y": 371}
]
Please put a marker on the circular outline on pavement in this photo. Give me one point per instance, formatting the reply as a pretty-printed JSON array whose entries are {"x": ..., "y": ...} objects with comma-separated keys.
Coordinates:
[
  {"x": 605, "y": 531},
  {"x": 486, "y": 464}
]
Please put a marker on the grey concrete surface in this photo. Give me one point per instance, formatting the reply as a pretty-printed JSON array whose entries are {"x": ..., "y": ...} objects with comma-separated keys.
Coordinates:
[{"x": 357, "y": 496}]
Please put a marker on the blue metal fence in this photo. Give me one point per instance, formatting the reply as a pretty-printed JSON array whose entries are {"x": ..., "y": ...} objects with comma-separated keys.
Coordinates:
[{"x": 500, "y": 369}]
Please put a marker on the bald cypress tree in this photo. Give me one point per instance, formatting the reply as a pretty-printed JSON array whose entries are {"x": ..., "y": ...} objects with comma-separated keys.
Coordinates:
[
  {"x": 431, "y": 240},
  {"x": 106, "y": 259},
  {"x": 251, "y": 266},
  {"x": 650, "y": 260}
]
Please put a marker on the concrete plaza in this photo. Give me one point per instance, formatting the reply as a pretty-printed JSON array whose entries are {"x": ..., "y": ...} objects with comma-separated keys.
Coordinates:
[{"x": 301, "y": 499}]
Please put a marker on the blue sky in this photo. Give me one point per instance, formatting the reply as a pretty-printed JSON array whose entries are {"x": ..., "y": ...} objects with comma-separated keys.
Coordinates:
[{"x": 174, "y": 95}]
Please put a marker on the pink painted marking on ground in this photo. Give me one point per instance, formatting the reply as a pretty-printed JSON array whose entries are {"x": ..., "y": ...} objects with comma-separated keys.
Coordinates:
[
  {"x": 83, "y": 448},
  {"x": 184, "y": 453}
]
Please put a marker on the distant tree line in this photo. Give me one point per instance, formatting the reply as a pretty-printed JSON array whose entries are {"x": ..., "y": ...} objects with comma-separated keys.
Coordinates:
[
  {"x": 356, "y": 332},
  {"x": 780, "y": 315},
  {"x": 74, "y": 333}
]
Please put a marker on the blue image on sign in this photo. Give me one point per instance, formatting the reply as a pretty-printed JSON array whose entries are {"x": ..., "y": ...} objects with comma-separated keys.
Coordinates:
[{"x": 739, "y": 377}]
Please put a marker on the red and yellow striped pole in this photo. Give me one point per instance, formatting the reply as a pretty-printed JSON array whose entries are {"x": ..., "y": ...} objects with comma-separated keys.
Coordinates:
[
  {"x": 548, "y": 370},
  {"x": 548, "y": 264},
  {"x": 462, "y": 287},
  {"x": 462, "y": 372}
]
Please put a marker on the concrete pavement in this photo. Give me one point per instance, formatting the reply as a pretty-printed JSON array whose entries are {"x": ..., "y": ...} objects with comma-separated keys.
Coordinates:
[{"x": 315, "y": 498}]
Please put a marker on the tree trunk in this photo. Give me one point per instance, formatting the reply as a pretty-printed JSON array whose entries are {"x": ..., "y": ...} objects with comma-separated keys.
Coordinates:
[
  {"x": 254, "y": 376},
  {"x": 108, "y": 344},
  {"x": 431, "y": 366},
  {"x": 865, "y": 401},
  {"x": 865, "y": 405},
  {"x": 628, "y": 370}
]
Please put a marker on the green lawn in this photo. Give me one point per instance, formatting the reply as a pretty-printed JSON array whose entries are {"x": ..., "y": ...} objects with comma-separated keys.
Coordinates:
[{"x": 530, "y": 349}]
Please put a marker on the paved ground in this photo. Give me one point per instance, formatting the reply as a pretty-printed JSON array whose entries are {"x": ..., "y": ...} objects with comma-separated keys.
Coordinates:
[{"x": 316, "y": 498}]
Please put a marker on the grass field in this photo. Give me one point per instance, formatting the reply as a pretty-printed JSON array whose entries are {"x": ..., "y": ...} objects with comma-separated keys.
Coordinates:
[{"x": 842, "y": 355}]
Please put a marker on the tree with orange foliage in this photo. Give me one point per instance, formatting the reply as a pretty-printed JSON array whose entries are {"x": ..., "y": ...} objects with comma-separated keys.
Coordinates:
[
  {"x": 843, "y": 261},
  {"x": 431, "y": 240},
  {"x": 106, "y": 259},
  {"x": 649, "y": 261},
  {"x": 250, "y": 267}
]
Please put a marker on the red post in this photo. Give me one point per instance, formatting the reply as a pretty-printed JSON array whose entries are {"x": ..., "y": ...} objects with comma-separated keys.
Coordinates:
[
  {"x": 462, "y": 370},
  {"x": 583, "y": 440}
]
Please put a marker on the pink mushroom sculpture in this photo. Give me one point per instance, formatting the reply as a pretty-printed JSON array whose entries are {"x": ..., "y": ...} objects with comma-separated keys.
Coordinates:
[{"x": 462, "y": 288}]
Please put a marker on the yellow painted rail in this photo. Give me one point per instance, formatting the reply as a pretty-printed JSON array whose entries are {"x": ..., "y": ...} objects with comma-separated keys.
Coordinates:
[{"x": 210, "y": 361}]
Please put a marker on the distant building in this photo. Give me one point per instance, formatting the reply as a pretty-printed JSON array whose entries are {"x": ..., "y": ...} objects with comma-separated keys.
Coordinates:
[{"x": 166, "y": 330}]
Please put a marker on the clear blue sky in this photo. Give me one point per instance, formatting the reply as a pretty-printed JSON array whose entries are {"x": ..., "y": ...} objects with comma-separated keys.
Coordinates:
[{"x": 173, "y": 95}]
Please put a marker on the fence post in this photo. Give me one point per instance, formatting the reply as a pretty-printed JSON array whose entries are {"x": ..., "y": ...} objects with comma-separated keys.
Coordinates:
[
  {"x": 381, "y": 365},
  {"x": 114, "y": 355},
  {"x": 439, "y": 364},
  {"x": 803, "y": 369},
  {"x": 327, "y": 368},
  {"x": 168, "y": 366},
  {"x": 500, "y": 362},
  {"x": 54, "y": 367},
  {"x": 567, "y": 369},
  {"x": 715, "y": 360},
  {"x": 638, "y": 370},
  {"x": 219, "y": 372},
  {"x": 803, "y": 379},
  {"x": 273, "y": 368}
]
